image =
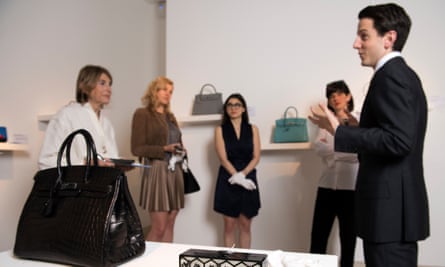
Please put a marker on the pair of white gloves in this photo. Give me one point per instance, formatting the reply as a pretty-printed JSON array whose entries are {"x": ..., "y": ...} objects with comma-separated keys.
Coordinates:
[
  {"x": 178, "y": 157},
  {"x": 240, "y": 179}
]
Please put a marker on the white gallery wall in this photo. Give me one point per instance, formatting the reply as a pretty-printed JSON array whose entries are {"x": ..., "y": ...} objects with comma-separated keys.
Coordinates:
[
  {"x": 43, "y": 45},
  {"x": 276, "y": 53},
  {"x": 281, "y": 53}
]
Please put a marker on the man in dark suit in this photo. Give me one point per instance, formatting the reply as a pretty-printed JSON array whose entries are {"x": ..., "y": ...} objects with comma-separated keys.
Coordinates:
[{"x": 391, "y": 198}]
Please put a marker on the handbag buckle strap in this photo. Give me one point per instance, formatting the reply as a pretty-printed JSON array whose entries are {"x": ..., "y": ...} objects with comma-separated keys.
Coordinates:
[{"x": 69, "y": 186}]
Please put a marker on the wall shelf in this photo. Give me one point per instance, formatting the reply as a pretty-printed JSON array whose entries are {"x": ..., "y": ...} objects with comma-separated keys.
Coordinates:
[
  {"x": 286, "y": 146},
  {"x": 264, "y": 147},
  {"x": 199, "y": 118},
  {"x": 13, "y": 147},
  {"x": 45, "y": 118}
]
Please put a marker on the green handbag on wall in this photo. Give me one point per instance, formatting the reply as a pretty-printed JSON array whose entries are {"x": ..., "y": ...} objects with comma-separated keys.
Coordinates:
[{"x": 290, "y": 130}]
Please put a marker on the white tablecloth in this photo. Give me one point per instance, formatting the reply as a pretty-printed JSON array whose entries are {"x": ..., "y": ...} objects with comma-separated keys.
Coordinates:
[{"x": 167, "y": 255}]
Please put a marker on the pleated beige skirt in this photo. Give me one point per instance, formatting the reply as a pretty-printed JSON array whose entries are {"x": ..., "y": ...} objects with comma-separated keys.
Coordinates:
[{"x": 161, "y": 189}]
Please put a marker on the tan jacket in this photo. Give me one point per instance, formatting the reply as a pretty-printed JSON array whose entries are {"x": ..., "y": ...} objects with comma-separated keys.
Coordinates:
[{"x": 149, "y": 133}]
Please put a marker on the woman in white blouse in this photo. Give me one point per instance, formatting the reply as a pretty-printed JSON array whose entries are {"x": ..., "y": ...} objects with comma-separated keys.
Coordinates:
[
  {"x": 335, "y": 195},
  {"x": 93, "y": 92}
]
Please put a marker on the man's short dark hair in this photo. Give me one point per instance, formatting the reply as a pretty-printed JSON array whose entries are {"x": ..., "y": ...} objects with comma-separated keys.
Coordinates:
[{"x": 388, "y": 17}]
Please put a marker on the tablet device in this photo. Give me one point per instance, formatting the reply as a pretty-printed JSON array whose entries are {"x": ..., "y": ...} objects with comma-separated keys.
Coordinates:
[{"x": 122, "y": 162}]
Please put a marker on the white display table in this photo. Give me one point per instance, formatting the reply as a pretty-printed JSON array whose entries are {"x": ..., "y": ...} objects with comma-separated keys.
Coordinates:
[{"x": 167, "y": 255}]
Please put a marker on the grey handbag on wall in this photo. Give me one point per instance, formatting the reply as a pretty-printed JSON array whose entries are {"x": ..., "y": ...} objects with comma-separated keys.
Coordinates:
[{"x": 205, "y": 104}]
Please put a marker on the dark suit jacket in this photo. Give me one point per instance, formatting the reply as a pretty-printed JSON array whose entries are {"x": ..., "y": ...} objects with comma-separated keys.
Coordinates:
[{"x": 391, "y": 197}]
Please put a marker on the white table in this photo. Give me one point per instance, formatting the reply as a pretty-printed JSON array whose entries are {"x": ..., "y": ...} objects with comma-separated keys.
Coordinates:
[{"x": 167, "y": 255}]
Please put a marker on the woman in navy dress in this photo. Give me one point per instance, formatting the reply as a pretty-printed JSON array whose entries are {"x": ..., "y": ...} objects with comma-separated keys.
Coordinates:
[{"x": 237, "y": 198}]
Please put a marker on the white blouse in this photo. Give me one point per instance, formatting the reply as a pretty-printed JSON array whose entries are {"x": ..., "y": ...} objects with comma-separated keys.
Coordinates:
[
  {"x": 72, "y": 117},
  {"x": 340, "y": 169}
]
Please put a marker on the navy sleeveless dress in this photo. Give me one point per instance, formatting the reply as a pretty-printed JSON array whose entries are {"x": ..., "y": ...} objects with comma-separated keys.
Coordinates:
[{"x": 233, "y": 200}]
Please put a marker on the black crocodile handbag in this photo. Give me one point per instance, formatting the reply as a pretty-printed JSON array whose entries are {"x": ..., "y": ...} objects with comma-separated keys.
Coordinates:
[{"x": 80, "y": 215}]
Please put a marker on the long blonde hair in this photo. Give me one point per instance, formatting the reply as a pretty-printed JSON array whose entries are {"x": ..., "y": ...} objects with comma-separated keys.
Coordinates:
[{"x": 149, "y": 99}]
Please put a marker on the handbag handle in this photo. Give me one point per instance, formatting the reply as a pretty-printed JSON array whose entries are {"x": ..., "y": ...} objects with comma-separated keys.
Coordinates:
[
  {"x": 207, "y": 85},
  {"x": 287, "y": 109},
  {"x": 66, "y": 145},
  {"x": 49, "y": 205},
  {"x": 185, "y": 163}
]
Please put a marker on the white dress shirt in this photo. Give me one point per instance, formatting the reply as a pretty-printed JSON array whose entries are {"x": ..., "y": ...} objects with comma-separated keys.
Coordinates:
[
  {"x": 72, "y": 117},
  {"x": 386, "y": 58},
  {"x": 340, "y": 169}
]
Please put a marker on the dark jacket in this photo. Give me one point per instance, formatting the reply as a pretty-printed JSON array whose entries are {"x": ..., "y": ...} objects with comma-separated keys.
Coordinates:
[{"x": 391, "y": 197}]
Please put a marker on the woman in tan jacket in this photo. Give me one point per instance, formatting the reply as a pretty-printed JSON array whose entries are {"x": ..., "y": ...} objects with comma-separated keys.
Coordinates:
[{"x": 155, "y": 137}]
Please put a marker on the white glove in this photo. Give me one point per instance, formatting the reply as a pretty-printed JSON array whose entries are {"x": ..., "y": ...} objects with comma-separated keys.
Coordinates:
[
  {"x": 173, "y": 159},
  {"x": 237, "y": 178},
  {"x": 240, "y": 179},
  {"x": 171, "y": 163}
]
